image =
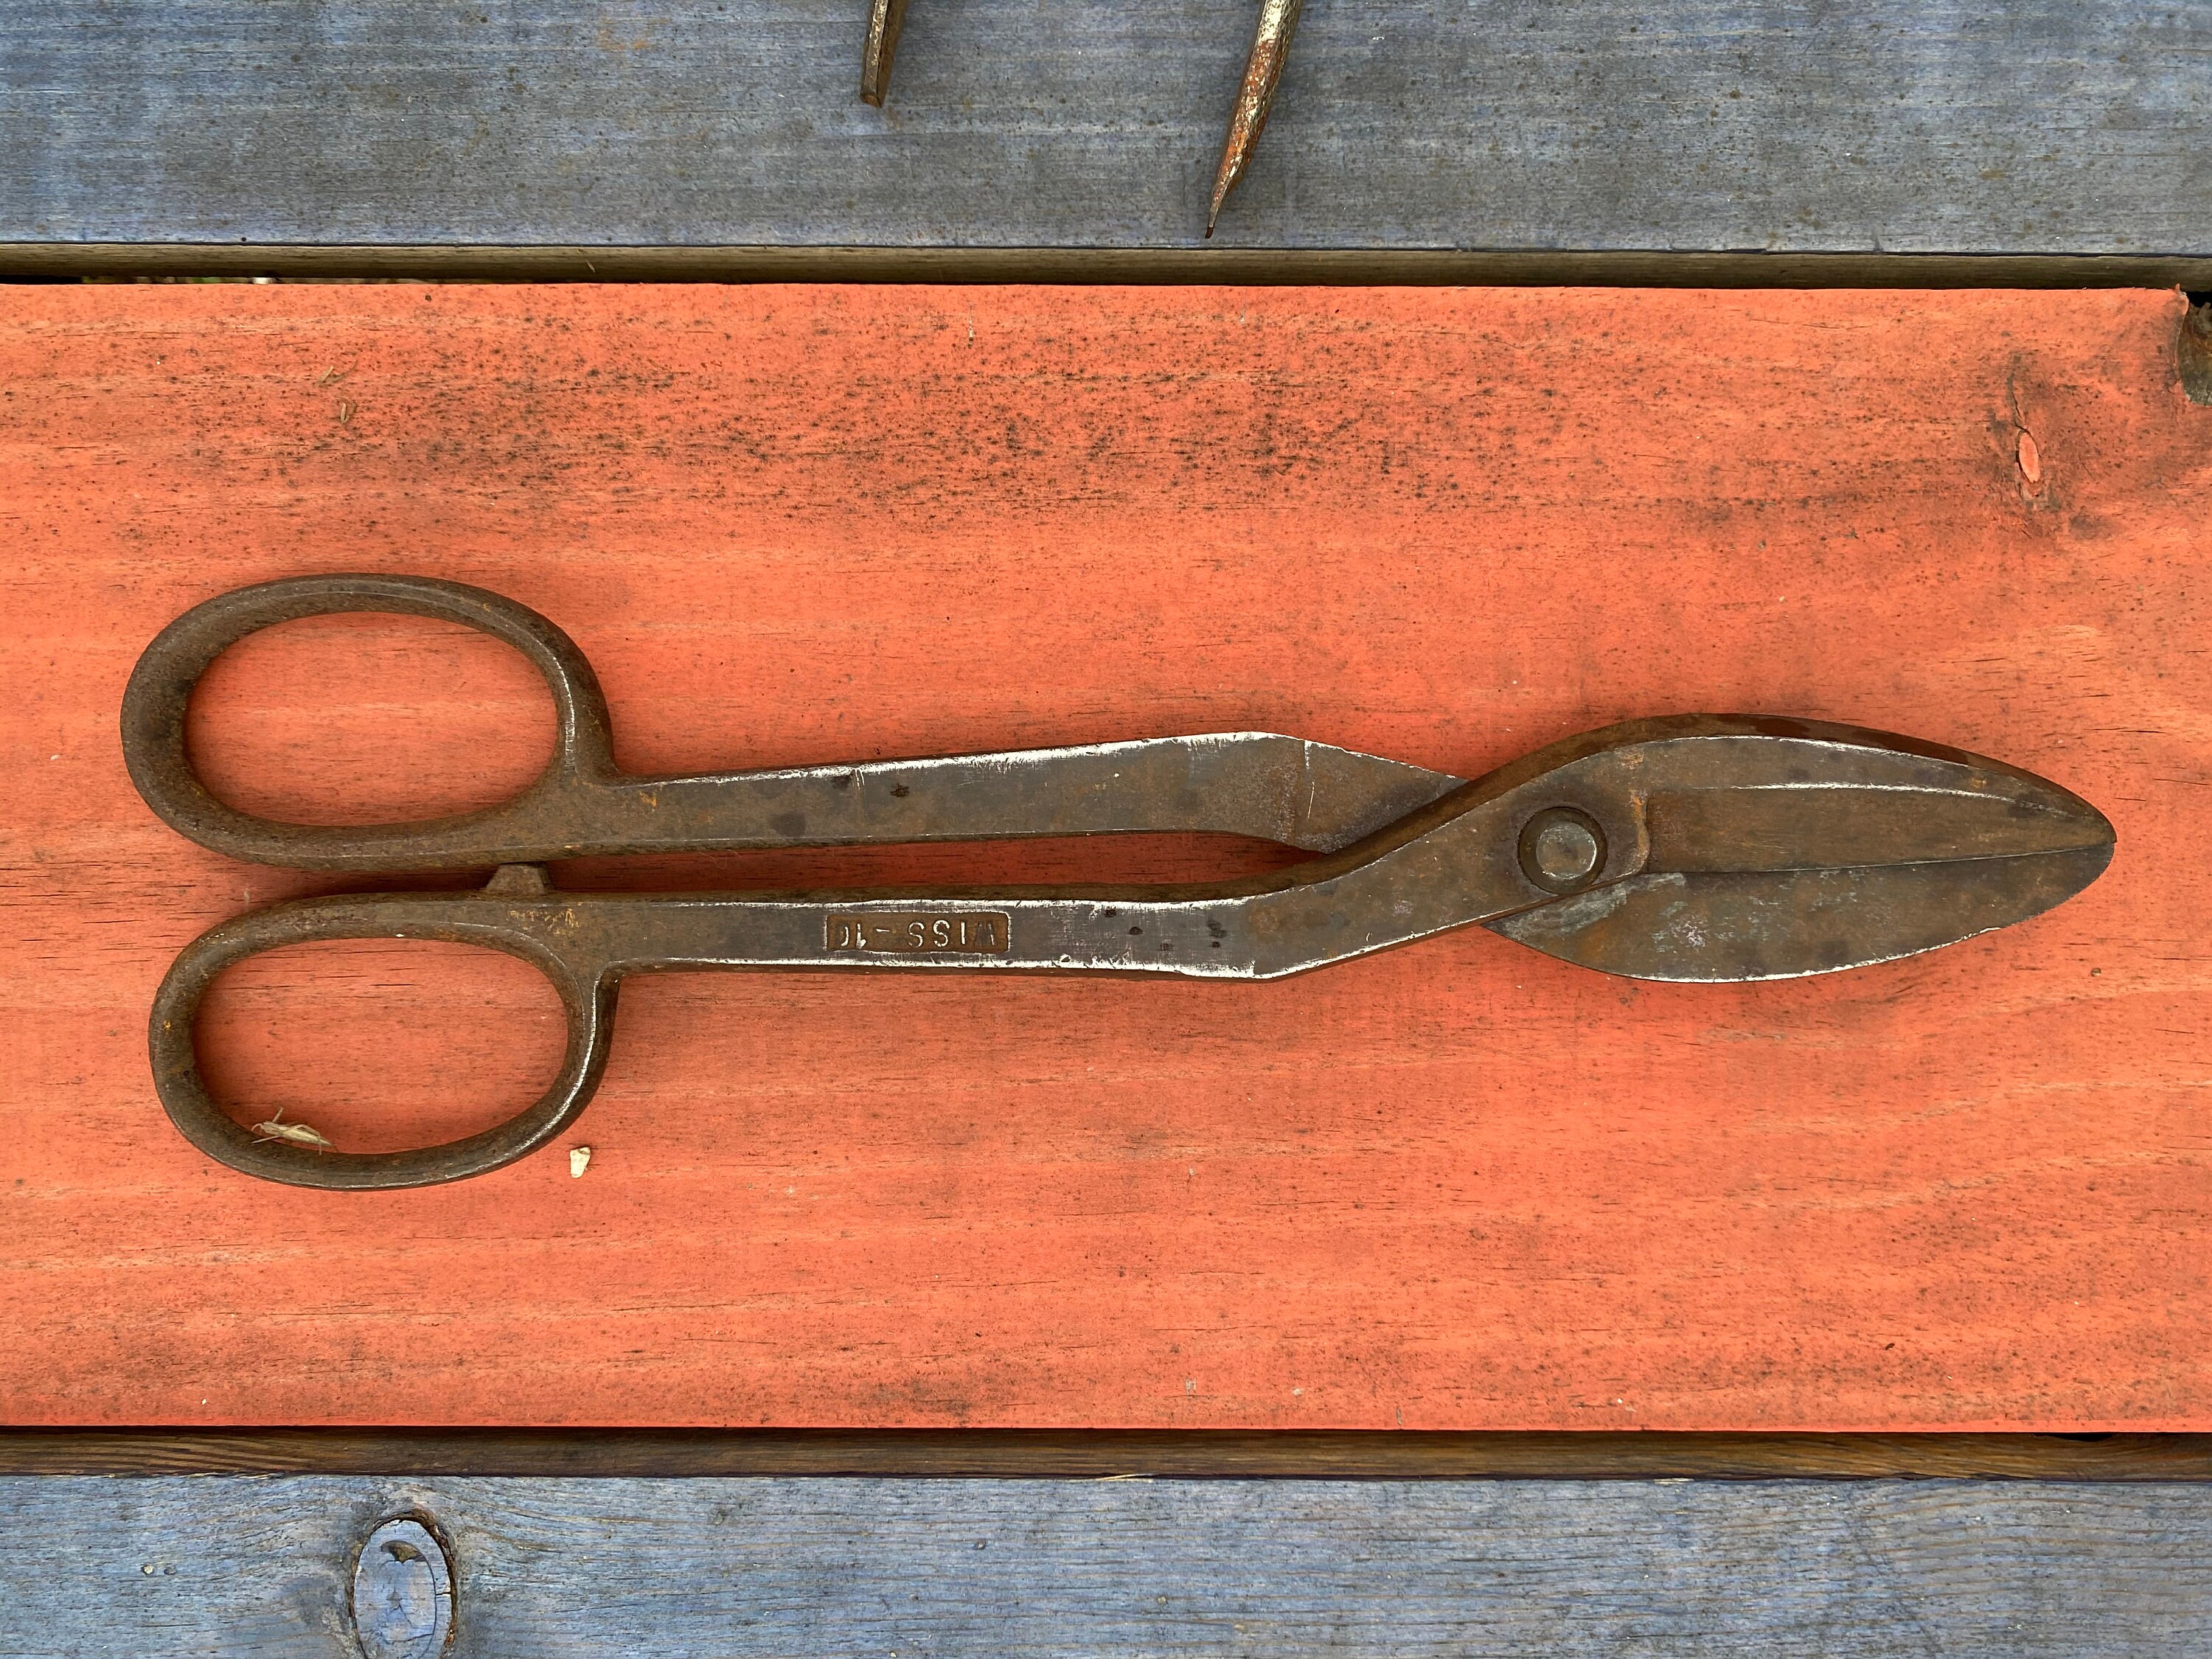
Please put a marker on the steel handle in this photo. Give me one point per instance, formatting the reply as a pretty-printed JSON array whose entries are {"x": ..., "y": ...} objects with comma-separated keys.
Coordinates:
[
  {"x": 587, "y": 990},
  {"x": 536, "y": 823}
]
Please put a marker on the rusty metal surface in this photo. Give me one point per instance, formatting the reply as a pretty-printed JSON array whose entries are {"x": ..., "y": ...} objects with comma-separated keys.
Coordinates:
[
  {"x": 2192, "y": 350},
  {"x": 1687, "y": 848},
  {"x": 1247, "y": 117},
  {"x": 1255, "y": 96},
  {"x": 1307, "y": 795},
  {"x": 881, "y": 47}
]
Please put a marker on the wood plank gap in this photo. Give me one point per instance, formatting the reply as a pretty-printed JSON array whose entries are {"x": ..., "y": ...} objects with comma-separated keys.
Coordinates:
[
  {"x": 998, "y": 1454},
  {"x": 1346, "y": 267}
]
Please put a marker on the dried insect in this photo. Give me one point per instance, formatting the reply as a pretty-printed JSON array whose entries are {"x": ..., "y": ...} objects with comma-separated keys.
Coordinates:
[{"x": 299, "y": 1134}]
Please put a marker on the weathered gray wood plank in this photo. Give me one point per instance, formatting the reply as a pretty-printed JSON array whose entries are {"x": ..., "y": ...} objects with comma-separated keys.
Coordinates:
[
  {"x": 241, "y": 1565},
  {"x": 2034, "y": 127}
]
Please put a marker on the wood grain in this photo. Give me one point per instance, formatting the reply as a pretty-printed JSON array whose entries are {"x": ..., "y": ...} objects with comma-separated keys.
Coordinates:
[
  {"x": 1093, "y": 1454},
  {"x": 1453, "y": 1186},
  {"x": 237, "y": 1567},
  {"x": 125, "y": 261},
  {"x": 2038, "y": 127}
]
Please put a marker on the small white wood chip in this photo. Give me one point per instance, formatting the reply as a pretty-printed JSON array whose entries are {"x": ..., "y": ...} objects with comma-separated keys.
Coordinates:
[{"x": 579, "y": 1159}]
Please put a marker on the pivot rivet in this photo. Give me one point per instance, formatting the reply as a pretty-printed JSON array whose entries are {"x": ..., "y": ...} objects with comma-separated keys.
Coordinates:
[{"x": 1562, "y": 850}]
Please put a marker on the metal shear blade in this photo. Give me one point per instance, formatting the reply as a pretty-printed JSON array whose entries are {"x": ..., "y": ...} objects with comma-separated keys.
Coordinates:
[
  {"x": 1700, "y": 846},
  {"x": 1779, "y": 848}
]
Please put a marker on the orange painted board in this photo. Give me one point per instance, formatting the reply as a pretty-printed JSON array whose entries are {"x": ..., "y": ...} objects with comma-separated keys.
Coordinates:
[{"x": 1458, "y": 1185}]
